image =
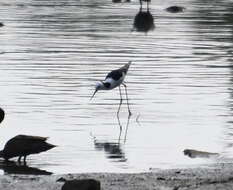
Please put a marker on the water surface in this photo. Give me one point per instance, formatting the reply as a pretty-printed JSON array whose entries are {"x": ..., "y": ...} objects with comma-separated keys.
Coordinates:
[{"x": 179, "y": 83}]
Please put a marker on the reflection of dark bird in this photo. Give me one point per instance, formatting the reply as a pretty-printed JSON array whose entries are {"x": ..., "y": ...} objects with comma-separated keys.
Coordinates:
[
  {"x": 23, "y": 145},
  {"x": 175, "y": 9},
  {"x": 2, "y": 115},
  {"x": 1, "y": 24},
  {"x": 81, "y": 184},
  {"x": 147, "y": 3},
  {"x": 13, "y": 168},
  {"x": 144, "y": 21},
  {"x": 114, "y": 79}
]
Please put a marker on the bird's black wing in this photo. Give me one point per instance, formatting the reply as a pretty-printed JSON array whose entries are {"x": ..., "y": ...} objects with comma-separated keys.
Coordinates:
[
  {"x": 22, "y": 145},
  {"x": 31, "y": 138},
  {"x": 115, "y": 75}
]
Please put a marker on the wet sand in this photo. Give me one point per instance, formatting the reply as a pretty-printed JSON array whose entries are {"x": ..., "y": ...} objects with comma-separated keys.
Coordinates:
[{"x": 217, "y": 177}]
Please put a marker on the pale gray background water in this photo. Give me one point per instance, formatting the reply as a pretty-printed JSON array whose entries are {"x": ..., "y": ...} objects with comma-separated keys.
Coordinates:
[{"x": 179, "y": 84}]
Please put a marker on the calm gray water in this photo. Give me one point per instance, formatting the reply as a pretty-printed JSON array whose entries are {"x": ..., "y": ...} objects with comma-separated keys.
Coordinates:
[{"x": 179, "y": 84}]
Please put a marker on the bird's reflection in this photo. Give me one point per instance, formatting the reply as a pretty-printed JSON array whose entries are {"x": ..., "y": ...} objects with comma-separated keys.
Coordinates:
[
  {"x": 113, "y": 149},
  {"x": 121, "y": 127},
  {"x": 143, "y": 21},
  {"x": 11, "y": 167}
]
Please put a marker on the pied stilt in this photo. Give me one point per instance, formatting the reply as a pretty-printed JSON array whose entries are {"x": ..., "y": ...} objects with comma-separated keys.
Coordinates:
[{"x": 115, "y": 79}]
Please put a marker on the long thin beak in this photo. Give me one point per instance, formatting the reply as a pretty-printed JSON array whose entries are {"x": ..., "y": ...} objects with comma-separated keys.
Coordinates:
[{"x": 94, "y": 94}]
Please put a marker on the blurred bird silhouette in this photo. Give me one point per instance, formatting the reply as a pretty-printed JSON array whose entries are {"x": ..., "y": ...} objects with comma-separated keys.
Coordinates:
[
  {"x": 175, "y": 9},
  {"x": 2, "y": 115},
  {"x": 24, "y": 145}
]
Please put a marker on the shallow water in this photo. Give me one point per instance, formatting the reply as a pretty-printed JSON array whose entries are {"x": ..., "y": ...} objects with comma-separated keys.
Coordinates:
[{"x": 179, "y": 83}]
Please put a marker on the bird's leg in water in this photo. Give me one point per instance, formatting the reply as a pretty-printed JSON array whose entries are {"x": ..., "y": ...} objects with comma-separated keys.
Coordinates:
[
  {"x": 118, "y": 111},
  {"x": 127, "y": 99},
  {"x": 24, "y": 159},
  {"x": 19, "y": 159}
]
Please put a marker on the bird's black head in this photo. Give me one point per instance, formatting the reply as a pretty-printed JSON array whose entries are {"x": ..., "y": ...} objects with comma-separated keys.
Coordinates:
[{"x": 99, "y": 85}]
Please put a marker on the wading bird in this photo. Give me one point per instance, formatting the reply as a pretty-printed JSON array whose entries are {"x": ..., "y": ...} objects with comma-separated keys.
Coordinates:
[
  {"x": 114, "y": 79},
  {"x": 24, "y": 145}
]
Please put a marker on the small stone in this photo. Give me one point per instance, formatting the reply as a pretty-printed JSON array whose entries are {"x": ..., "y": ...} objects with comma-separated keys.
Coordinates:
[
  {"x": 82, "y": 184},
  {"x": 161, "y": 178}
]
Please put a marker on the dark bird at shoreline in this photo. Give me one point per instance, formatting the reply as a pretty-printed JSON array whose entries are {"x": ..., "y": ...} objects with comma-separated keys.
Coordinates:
[
  {"x": 1, "y": 24},
  {"x": 24, "y": 145},
  {"x": 2, "y": 115}
]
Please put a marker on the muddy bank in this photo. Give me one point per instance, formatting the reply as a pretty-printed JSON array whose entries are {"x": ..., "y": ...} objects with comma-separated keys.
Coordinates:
[{"x": 219, "y": 177}]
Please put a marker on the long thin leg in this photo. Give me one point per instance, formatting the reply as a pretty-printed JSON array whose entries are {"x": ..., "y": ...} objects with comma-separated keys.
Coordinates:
[
  {"x": 120, "y": 101},
  {"x": 118, "y": 111},
  {"x": 19, "y": 159},
  {"x": 127, "y": 99},
  {"x": 24, "y": 159},
  {"x": 119, "y": 138},
  {"x": 127, "y": 126}
]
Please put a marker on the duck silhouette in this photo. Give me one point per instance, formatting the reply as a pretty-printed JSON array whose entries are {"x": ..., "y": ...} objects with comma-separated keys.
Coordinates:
[{"x": 24, "y": 145}]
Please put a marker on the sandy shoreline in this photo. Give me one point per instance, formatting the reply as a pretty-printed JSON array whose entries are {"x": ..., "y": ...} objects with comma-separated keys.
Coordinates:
[{"x": 218, "y": 177}]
